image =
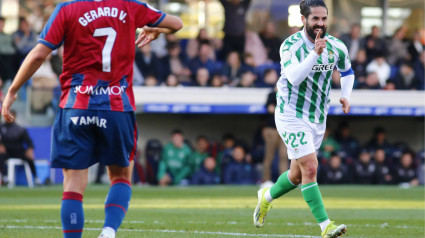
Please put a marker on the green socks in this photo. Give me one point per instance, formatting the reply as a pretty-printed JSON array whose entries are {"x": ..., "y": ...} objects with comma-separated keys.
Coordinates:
[
  {"x": 282, "y": 186},
  {"x": 313, "y": 197}
]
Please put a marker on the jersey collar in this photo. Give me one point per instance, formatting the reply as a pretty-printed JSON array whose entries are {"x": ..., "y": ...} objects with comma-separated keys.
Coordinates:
[{"x": 309, "y": 44}]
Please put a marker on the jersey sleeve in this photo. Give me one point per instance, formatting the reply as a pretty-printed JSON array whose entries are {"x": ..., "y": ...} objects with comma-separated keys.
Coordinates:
[
  {"x": 53, "y": 33},
  {"x": 287, "y": 54},
  {"x": 344, "y": 63},
  {"x": 146, "y": 15}
]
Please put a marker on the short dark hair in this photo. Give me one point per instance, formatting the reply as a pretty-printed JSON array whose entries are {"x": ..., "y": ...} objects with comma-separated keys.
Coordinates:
[
  {"x": 2, "y": 18},
  {"x": 305, "y": 6},
  {"x": 201, "y": 137},
  {"x": 177, "y": 131}
]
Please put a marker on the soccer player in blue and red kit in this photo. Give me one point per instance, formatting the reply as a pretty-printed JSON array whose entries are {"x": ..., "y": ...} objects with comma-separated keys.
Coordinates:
[{"x": 95, "y": 121}]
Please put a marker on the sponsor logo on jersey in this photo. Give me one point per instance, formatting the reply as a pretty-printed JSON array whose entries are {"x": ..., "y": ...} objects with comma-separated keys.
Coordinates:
[
  {"x": 87, "y": 120},
  {"x": 93, "y": 90},
  {"x": 323, "y": 67}
]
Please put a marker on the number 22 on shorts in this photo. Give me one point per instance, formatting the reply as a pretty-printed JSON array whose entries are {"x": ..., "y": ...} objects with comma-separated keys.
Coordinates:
[{"x": 294, "y": 139}]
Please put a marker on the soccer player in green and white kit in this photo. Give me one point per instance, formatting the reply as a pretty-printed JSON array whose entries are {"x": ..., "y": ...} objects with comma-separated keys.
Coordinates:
[{"x": 308, "y": 58}]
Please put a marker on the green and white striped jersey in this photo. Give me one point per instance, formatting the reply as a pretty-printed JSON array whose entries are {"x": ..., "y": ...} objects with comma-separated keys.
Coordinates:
[{"x": 309, "y": 100}]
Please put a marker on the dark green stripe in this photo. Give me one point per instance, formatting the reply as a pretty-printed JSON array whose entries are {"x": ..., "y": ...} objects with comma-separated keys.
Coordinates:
[
  {"x": 289, "y": 90},
  {"x": 298, "y": 54},
  {"x": 341, "y": 59},
  {"x": 325, "y": 85},
  {"x": 301, "y": 98},
  {"x": 315, "y": 87},
  {"x": 282, "y": 104}
]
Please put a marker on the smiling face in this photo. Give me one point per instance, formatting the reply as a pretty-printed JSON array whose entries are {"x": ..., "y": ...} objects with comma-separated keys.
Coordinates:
[{"x": 316, "y": 20}]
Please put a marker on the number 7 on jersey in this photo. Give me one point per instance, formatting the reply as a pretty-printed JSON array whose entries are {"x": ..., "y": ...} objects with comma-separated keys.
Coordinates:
[{"x": 109, "y": 44}]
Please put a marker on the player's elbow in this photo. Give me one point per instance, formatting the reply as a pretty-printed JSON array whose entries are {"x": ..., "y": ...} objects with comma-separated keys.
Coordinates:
[
  {"x": 172, "y": 23},
  {"x": 39, "y": 53},
  {"x": 177, "y": 24}
]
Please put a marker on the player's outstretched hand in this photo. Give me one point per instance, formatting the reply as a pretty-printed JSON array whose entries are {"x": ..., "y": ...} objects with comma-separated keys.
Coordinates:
[
  {"x": 7, "y": 103},
  {"x": 345, "y": 105},
  {"x": 320, "y": 43},
  {"x": 147, "y": 35}
]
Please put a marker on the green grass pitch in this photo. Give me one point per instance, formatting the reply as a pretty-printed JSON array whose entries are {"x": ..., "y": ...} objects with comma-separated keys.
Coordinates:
[{"x": 219, "y": 211}]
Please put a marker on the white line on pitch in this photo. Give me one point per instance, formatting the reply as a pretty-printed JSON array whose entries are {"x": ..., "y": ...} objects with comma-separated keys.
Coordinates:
[
  {"x": 384, "y": 225},
  {"x": 165, "y": 231}
]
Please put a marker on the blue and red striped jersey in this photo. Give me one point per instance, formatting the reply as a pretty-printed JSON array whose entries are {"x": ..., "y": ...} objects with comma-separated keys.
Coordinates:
[{"x": 99, "y": 48}]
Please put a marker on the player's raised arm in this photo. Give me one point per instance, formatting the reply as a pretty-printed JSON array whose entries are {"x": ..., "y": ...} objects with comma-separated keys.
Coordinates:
[
  {"x": 170, "y": 24},
  {"x": 31, "y": 64}
]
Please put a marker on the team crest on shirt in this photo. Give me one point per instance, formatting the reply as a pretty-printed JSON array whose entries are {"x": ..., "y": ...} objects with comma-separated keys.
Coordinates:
[
  {"x": 331, "y": 55},
  {"x": 286, "y": 56}
]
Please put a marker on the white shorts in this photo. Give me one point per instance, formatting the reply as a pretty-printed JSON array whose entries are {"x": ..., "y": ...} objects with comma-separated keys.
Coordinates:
[{"x": 301, "y": 137}]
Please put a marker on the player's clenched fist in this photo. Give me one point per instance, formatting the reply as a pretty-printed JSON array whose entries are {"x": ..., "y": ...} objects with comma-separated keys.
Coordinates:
[{"x": 320, "y": 43}]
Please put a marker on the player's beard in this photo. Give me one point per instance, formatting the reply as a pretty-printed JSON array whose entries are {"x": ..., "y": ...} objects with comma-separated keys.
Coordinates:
[{"x": 310, "y": 30}]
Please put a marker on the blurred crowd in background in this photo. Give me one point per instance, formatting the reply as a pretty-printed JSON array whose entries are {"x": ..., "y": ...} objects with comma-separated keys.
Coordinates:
[
  {"x": 342, "y": 160},
  {"x": 245, "y": 59}
]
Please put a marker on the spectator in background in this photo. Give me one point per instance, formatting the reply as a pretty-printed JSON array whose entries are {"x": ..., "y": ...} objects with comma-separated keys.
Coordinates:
[
  {"x": 383, "y": 172},
  {"x": 150, "y": 81},
  {"x": 353, "y": 42},
  {"x": 335, "y": 172},
  {"x": 7, "y": 54},
  {"x": 371, "y": 82},
  {"x": 202, "y": 78},
  {"x": 328, "y": 146},
  {"x": 24, "y": 38},
  {"x": 174, "y": 167},
  {"x": 234, "y": 25},
  {"x": 406, "y": 172},
  {"x": 217, "y": 81},
  {"x": 18, "y": 144},
  {"x": 349, "y": 146},
  {"x": 406, "y": 78},
  {"x": 247, "y": 80},
  {"x": 415, "y": 47},
  {"x": 269, "y": 80},
  {"x": 153, "y": 152},
  {"x": 270, "y": 41},
  {"x": 172, "y": 81},
  {"x": 364, "y": 170},
  {"x": 380, "y": 66},
  {"x": 200, "y": 154},
  {"x": 224, "y": 156},
  {"x": 207, "y": 174},
  {"x": 193, "y": 44},
  {"x": 36, "y": 18},
  {"x": 44, "y": 81},
  {"x": 202, "y": 60},
  {"x": 232, "y": 69},
  {"x": 359, "y": 67},
  {"x": 420, "y": 69},
  {"x": 255, "y": 46},
  {"x": 248, "y": 61},
  {"x": 273, "y": 142},
  {"x": 379, "y": 140},
  {"x": 397, "y": 48},
  {"x": 239, "y": 171},
  {"x": 374, "y": 45},
  {"x": 175, "y": 63},
  {"x": 147, "y": 62}
]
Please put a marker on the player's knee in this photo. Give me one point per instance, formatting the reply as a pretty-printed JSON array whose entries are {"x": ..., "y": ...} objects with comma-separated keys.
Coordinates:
[
  {"x": 310, "y": 171},
  {"x": 295, "y": 177}
]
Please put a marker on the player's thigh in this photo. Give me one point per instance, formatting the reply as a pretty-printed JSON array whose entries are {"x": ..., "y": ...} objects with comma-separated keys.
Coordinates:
[
  {"x": 297, "y": 136},
  {"x": 117, "y": 138},
  {"x": 73, "y": 140},
  {"x": 117, "y": 172}
]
